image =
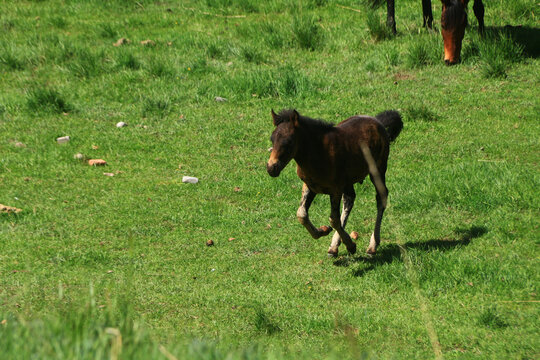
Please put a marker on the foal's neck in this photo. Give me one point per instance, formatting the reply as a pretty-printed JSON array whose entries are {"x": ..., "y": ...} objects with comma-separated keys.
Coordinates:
[{"x": 310, "y": 144}]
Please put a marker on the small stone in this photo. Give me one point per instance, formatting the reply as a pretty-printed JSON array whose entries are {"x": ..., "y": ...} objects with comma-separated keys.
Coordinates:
[
  {"x": 220, "y": 99},
  {"x": 9, "y": 209},
  {"x": 108, "y": 174},
  {"x": 78, "y": 156},
  {"x": 121, "y": 124},
  {"x": 19, "y": 144},
  {"x": 97, "y": 162},
  {"x": 210, "y": 243},
  {"x": 63, "y": 139},
  {"x": 148, "y": 43},
  {"x": 121, "y": 41},
  {"x": 237, "y": 189},
  {"x": 190, "y": 180}
]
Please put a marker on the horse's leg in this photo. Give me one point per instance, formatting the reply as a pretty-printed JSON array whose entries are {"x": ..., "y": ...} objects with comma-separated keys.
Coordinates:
[
  {"x": 303, "y": 216},
  {"x": 390, "y": 15},
  {"x": 428, "y": 14},
  {"x": 335, "y": 221},
  {"x": 348, "y": 202},
  {"x": 478, "y": 9},
  {"x": 382, "y": 197}
]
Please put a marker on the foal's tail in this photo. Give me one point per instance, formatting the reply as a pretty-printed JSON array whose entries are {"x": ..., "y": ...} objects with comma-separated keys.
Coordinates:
[{"x": 391, "y": 120}]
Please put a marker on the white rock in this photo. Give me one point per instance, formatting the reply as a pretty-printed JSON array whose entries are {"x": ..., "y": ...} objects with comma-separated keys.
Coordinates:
[
  {"x": 63, "y": 139},
  {"x": 220, "y": 99},
  {"x": 190, "y": 180},
  {"x": 121, "y": 124},
  {"x": 78, "y": 156}
]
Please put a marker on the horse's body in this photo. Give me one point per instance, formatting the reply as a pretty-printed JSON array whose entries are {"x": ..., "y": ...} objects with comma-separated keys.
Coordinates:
[
  {"x": 453, "y": 22},
  {"x": 330, "y": 160}
]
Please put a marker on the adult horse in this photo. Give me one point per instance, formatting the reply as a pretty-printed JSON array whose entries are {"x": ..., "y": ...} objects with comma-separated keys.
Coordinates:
[
  {"x": 330, "y": 160},
  {"x": 453, "y": 22}
]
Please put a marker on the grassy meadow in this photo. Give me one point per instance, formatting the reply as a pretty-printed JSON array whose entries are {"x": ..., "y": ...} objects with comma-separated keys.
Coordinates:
[{"x": 112, "y": 262}]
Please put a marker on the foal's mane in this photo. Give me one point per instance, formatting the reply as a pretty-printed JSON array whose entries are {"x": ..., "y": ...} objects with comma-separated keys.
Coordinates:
[
  {"x": 287, "y": 114},
  {"x": 452, "y": 15}
]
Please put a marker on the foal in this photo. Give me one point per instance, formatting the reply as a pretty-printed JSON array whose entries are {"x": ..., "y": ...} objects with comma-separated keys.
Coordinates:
[{"x": 330, "y": 160}]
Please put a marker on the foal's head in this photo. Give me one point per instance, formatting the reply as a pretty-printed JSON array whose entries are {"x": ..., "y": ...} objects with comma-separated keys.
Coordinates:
[
  {"x": 284, "y": 144},
  {"x": 453, "y": 23}
]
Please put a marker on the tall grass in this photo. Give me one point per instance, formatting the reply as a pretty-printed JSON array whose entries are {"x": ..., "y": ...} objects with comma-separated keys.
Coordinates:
[
  {"x": 424, "y": 51},
  {"x": 376, "y": 27},
  {"x": 46, "y": 99},
  {"x": 286, "y": 82},
  {"x": 307, "y": 33},
  {"x": 497, "y": 52}
]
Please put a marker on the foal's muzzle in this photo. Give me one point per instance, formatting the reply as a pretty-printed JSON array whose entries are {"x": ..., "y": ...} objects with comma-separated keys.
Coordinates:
[{"x": 274, "y": 169}]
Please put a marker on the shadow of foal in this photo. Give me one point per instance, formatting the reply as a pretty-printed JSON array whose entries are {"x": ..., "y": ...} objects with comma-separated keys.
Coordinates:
[{"x": 392, "y": 252}]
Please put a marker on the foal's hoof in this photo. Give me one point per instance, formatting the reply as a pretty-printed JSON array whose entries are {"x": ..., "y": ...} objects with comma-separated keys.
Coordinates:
[
  {"x": 371, "y": 250},
  {"x": 332, "y": 253},
  {"x": 324, "y": 230},
  {"x": 351, "y": 248}
]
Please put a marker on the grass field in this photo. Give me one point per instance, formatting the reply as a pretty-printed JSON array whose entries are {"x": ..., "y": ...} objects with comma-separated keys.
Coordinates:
[{"x": 98, "y": 266}]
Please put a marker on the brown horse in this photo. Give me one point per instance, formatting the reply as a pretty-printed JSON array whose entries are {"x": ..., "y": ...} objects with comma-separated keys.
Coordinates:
[
  {"x": 331, "y": 159},
  {"x": 453, "y": 23}
]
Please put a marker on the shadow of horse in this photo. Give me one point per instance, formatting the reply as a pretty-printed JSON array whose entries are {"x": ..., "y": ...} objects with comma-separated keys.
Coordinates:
[
  {"x": 526, "y": 36},
  {"x": 392, "y": 252}
]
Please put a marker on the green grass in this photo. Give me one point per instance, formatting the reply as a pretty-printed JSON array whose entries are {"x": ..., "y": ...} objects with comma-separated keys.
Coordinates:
[{"x": 100, "y": 266}]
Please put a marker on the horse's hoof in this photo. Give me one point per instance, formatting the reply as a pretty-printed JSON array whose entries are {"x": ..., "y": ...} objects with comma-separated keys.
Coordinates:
[
  {"x": 352, "y": 249},
  {"x": 332, "y": 253},
  {"x": 325, "y": 230},
  {"x": 371, "y": 251}
]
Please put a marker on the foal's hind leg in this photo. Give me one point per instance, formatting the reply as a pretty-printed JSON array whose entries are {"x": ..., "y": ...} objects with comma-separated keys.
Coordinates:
[
  {"x": 382, "y": 197},
  {"x": 348, "y": 202},
  {"x": 303, "y": 216},
  {"x": 335, "y": 221}
]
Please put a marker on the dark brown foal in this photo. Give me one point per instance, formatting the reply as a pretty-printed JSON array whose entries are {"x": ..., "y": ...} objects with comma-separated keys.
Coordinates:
[{"x": 330, "y": 160}]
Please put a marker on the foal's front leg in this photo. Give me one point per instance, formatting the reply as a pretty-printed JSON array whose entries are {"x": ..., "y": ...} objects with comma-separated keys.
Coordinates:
[
  {"x": 335, "y": 221},
  {"x": 303, "y": 216}
]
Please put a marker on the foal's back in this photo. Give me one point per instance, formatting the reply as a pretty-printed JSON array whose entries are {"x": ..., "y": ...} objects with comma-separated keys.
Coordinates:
[{"x": 350, "y": 134}]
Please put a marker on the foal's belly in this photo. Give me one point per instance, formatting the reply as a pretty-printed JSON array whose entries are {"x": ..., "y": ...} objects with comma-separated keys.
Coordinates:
[{"x": 330, "y": 185}]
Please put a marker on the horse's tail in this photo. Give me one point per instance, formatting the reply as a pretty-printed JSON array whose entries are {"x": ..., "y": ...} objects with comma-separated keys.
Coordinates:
[{"x": 391, "y": 120}]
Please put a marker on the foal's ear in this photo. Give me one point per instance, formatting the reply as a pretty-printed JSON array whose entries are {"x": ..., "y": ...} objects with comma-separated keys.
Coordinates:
[
  {"x": 274, "y": 118},
  {"x": 295, "y": 118}
]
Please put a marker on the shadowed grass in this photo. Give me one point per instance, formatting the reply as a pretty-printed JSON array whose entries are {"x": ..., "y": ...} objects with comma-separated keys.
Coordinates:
[
  {"x": 307, "y": 33},
  {"x": 497, "y": 52},
  {"x": 45, "y": 99},
  {"x": 376, "y": 27}
]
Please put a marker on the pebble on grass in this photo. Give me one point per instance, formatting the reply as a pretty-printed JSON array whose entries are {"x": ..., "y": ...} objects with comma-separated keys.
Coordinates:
[
  {"x": 122, "y": 41},
  {"x": 190, "y": 179},
  {"x": 9, "y": 209},
  {"x": 63, "y": 139},
  {"x": 210, "y": 243},
  {"x": 97, "y": 162}
]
